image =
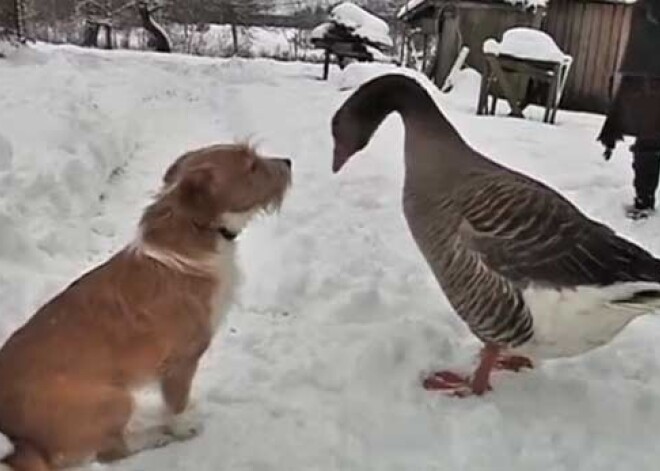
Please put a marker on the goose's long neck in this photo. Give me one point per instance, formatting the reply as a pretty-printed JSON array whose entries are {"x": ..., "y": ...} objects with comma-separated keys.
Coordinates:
[{"x": 434, "y": 150}]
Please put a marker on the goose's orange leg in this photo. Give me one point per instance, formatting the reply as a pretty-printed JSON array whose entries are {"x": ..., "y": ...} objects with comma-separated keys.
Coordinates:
[{"x": 462, "y": 386}]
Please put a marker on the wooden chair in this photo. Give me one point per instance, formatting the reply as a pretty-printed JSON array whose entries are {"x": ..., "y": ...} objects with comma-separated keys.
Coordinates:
[{"x": 507, "y": 77}]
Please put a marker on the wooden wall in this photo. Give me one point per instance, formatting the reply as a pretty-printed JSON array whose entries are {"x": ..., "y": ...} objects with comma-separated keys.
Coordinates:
[
  {"x": 595, "y": 34},
  {"x": 480, "y": 21},
  {"x": 469, "y": 23}
]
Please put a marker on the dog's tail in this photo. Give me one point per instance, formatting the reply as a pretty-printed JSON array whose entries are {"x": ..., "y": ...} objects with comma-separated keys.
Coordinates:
[{"x": 23, "y": 456}]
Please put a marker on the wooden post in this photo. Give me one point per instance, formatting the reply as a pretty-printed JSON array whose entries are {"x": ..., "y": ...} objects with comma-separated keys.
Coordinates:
[
  {"x": 404, "y": 43},
  {"x": 19, "y": 11},
  {"x": 503, "y": 82},
  {"x": 456, "y": 68},
  {"x": 108, "y": 36},
  {"x": 90, "y": 34},
  {"x": 326, "y": 64},
  {"x": 482, "y": 106},
  {"x": 493, "y": 104},
  {"x": 564, "y": 69},
  {"x": 551, "y": 99},
  {"x": 425, "y": 43},
  {"x": 234, "y": 37}
]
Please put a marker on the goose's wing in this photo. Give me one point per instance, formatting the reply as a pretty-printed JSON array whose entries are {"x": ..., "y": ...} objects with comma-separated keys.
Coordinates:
[{"x": 528, "y": 233}]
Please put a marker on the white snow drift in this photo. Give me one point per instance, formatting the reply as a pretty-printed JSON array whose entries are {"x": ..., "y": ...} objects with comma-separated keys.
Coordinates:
[{"x": 318, "y": 366}]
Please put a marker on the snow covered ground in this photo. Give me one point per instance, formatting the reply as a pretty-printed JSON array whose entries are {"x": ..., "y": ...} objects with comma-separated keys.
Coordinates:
[{"x": 318, "y": 366}]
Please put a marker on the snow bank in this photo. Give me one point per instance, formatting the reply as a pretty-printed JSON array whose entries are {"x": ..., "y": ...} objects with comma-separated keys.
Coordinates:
[
  {"x": 377, "y": 55},
  {"x": 70, "y": 120},
  {"x": 318, "y": 365},
  {"x": 362, "y": 23},
  {"x": 62, "y": 135},
  {"x": 7, "y": 47},
  {"x": 358, "y": 73},
  {"x": 526, "y": 43}
]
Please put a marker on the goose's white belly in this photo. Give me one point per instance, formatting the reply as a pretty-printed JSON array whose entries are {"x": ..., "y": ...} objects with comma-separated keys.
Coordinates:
[{"x": 568, "y": 322}]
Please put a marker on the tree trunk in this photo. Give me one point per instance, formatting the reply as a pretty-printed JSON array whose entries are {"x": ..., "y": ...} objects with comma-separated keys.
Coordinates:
[
  {"x": 162, "y": 42},
  {"x": 234, "y": 36},
  {"x": 108, "y": 36},
  {"x": 19, "y": 11},
  {"x": 187, "y": 38},
  {"x": 91, "y": 34}
]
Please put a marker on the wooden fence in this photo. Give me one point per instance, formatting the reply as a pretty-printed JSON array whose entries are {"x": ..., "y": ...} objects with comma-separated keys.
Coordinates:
[{"x": 595, "y": 33}]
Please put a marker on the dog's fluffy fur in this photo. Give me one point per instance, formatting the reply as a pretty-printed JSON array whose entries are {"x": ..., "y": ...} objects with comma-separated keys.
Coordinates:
[{"x": 105, "y": 368}]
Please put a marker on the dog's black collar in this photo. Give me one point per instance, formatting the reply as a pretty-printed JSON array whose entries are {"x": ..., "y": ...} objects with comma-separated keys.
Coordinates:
[{"x": 227, "y": 234}]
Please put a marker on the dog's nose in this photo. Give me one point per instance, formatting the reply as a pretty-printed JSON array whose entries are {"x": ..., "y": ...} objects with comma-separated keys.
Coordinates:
[{"x": 288, "y": 162}]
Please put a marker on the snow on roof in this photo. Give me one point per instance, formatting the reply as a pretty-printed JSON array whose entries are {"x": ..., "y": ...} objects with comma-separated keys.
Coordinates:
[
  {"x": 378, "y": 55},
  {"x": 409, "y": 6},
  {"x": 362, "y": 23},
  {"x": 320, "y": 31},
  {"x": 526, "y": 43},
  {"x": 524, "y": 3},
  {"x": 529, "y": 3}
]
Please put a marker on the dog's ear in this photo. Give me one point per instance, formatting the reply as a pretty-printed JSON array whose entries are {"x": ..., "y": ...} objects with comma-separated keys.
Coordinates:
[
  {"x": 171, "y": 172},
  {"x": 199, "y": 193}
]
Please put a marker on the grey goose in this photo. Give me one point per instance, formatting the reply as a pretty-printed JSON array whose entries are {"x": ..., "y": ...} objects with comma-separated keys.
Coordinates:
[{"x": 527, "y": 271}]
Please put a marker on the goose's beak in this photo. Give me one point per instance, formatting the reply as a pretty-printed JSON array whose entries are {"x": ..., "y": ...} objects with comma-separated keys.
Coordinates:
[{"x": 341, "y": 156}]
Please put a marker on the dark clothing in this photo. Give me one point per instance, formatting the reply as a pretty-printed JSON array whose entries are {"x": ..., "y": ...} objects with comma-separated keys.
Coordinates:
[
  {"x": 641, "y": 57},
  {"x": 635, "y": 109},
  {"x": 646, "y": 165},
  {"x": 646, "y": 145}
]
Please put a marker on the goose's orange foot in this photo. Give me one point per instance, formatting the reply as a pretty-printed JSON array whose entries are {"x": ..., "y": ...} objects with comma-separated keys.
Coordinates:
[
  {"x": 462, "y": 386},
  {"x": 454, "y": 384},
  {"x": 513, "y": 363}
]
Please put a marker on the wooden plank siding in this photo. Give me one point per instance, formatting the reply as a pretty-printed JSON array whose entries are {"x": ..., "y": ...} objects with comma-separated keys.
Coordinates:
[
  {"x": 594, "y": 33},
  {"x": 479, "y": 22}
]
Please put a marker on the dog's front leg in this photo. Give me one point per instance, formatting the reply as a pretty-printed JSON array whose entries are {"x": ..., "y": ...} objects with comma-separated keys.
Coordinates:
[{"x": 183, "y": 422}]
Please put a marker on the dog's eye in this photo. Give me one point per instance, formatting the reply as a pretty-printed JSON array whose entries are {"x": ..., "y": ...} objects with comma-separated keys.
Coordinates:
[{"x": 253, "y": 166}]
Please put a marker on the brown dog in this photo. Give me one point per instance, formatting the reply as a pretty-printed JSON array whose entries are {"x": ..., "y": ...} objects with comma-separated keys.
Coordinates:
[{"x": 75, "y": 380}]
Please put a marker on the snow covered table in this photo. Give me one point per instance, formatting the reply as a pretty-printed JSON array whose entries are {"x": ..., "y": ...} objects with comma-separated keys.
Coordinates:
[
  {"x": 524, "y": 55},
  {"x": 352, "y": 33}
]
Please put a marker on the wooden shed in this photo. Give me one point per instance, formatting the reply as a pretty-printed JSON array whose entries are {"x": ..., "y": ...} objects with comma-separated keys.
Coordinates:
[
  {"x": 594, "y": 32},
  {"x": 439, "y": 28}
]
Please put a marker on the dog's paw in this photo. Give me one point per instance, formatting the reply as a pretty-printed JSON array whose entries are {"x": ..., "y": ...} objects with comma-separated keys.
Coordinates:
[
  {"x": 186, "y": 425},
  {"x": 157, "y": 437},
  {"x": 185, "y": 428}
]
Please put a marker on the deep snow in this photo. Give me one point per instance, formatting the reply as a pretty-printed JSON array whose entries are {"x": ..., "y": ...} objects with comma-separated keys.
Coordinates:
[
  {"x": 526, "y": 43},
  {"x": 318, "y": 364}
]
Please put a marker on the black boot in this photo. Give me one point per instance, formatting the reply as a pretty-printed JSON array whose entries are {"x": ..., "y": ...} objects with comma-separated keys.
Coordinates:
[
  {"x": 646, "y": 166},
  {"x": 640, "y": 209}
]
